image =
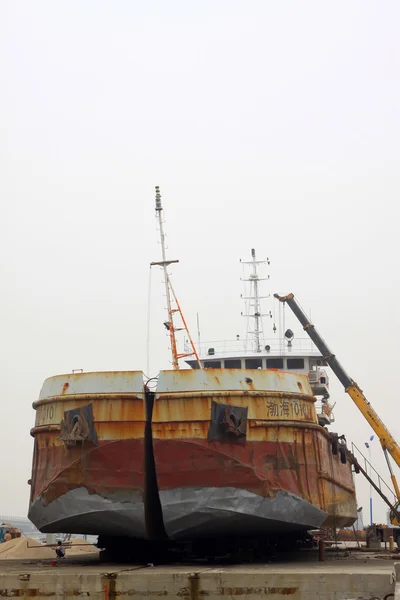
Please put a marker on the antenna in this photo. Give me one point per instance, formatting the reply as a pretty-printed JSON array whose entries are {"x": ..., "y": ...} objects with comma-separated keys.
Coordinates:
[
  {"x": 254, "y": 306},
  {"x": 198, "y": 333},
  {"x": 169, "y": 325}
]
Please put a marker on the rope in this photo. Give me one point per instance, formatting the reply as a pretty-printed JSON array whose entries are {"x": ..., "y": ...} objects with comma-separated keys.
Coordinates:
[{"x": 148, "y": 325}]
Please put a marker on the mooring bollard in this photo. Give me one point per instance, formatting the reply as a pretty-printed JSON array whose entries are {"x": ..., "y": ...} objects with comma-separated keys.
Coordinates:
[{"x": 321, "y": 549}]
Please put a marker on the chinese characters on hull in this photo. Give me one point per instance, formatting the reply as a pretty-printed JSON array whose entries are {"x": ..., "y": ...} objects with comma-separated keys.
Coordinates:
[{"x": 289, "y": 409}]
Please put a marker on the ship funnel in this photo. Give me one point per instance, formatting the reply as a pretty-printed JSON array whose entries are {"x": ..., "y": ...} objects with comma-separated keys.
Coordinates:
[{"x": 158, "y": 198}]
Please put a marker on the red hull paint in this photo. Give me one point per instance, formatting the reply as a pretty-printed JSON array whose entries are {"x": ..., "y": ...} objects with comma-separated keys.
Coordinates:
[
  {"x": 112, "y": 466},
  {"x": 197, "y": 463}
]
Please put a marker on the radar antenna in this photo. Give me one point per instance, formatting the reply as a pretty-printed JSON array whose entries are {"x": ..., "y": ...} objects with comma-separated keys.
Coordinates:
[{"x": 170, "y": 294}]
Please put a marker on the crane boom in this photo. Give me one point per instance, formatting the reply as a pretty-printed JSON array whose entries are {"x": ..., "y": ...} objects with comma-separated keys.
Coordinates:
[{"x": 388, "y": 442}]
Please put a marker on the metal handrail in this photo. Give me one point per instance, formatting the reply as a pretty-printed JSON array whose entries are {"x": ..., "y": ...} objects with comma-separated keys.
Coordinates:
[
  {"x": 240, "y": 347},
  {"x": 366, "y": 461}
]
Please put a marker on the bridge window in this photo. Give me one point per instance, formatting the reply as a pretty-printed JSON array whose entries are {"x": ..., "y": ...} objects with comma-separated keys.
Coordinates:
[
  {"x": 233, "y": 363},
  {"x": 274, "y": 363},
  {"x": 295, "y": 363},
  {"x": 253, "y": 363},
  {"x": 212, "y": 364}
]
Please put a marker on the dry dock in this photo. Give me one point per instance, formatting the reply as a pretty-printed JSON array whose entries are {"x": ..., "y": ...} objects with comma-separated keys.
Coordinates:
[{"x": 299, "y": 578}]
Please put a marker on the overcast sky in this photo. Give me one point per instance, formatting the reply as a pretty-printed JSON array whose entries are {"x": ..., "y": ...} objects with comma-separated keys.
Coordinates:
[{"x": 272, "y": 125}]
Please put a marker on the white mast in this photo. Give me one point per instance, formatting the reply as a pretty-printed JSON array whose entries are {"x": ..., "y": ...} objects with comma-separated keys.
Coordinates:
[
  {"x": 164, "y": 263},
  {"x": 254, "y": 306},
  {"x": 256, "y": 303}
]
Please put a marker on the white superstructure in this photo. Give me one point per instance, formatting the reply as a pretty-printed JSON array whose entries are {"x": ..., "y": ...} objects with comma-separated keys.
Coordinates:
[{"x": 283, "y": 351}]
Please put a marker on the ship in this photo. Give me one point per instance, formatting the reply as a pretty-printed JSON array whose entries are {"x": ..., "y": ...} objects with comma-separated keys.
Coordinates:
[{"x": 235, "y": 445}]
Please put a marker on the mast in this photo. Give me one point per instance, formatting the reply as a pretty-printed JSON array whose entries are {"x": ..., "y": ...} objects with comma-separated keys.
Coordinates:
[
  {"x": 255, "y": 300},
  {"x": 169, "y": 324},
  {"x": 257, "y": 307}
]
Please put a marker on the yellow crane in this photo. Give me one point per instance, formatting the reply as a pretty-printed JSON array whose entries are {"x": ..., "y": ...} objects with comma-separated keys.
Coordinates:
[{"x": 388, "y": 442}]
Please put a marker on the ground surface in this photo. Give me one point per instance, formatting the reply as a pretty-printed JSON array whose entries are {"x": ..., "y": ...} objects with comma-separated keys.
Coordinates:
[{"x": 300, "y": 562}]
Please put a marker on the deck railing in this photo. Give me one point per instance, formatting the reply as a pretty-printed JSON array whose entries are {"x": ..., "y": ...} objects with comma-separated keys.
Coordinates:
[{"x": 241, "y": 347}]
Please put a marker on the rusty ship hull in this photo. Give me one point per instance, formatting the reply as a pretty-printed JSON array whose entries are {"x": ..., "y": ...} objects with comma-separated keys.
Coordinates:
[
  {"x": 273, "y": 473},
  {"x": 213, "y": 452},
  {"x": 88, "y": 461}
]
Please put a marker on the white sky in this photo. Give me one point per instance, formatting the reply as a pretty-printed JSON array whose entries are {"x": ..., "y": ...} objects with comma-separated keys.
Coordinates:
[{"x": 272, "y": 125}]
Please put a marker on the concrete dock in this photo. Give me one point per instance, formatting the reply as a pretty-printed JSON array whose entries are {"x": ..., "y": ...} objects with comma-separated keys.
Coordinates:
[{"x": 339, "y": 578}]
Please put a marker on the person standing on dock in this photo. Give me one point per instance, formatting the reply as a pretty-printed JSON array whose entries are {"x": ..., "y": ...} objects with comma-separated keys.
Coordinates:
[
  {"x": 8, "y": 536},
  {"x": 60, "y": 550}
]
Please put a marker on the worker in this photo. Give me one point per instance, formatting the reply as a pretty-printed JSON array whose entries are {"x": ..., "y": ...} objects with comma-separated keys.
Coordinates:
[
  {"x": 60, "y": 550},
  {"x": 8, "y": 536}
]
